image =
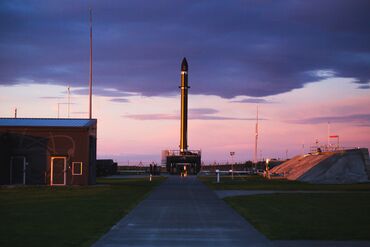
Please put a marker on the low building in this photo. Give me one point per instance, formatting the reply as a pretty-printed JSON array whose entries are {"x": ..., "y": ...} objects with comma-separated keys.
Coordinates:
[
  {"x": 47, "y": 151},
  {"x": 105, "y": 167}
]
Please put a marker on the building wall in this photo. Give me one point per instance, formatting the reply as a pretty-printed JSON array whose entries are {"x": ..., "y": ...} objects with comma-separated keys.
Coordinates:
[{"x": 39, "y": 144}]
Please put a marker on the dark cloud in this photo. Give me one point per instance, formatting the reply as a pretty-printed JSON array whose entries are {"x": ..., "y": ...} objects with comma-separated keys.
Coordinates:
[
  {"x": 365, "y": 86},
  {"x": 120, "y": 100},
  {"x": 202, "y": 111},
  {"x": 102, "y": 92},
  {"x": 356, "y": 119},
  {"x": 194, "y": 114},
  {"x": 254, "y": 48},
  {"x": 252, "y": 100}
]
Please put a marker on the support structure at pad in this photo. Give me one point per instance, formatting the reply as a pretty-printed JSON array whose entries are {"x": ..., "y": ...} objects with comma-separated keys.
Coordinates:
[{"x": 183, "y": 161}]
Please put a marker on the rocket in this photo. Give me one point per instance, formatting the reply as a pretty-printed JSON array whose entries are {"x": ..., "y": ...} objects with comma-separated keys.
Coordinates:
[
  {"x": 184, "y": 107},
  {"x": 183, "y": 160}
]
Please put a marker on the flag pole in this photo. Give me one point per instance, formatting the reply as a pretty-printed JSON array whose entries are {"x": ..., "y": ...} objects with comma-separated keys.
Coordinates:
[{"x": 90, "y": 81}]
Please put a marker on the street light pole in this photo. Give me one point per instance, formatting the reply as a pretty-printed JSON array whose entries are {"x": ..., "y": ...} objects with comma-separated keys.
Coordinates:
[
  {"x": 58, "y": 109},
  {"x": 232, "y": 164},
  {"x": 267, "y": 169},
  {"x": 69, "y": 99}
]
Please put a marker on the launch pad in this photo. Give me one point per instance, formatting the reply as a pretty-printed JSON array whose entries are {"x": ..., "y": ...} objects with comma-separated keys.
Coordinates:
[
  {"x": 183, "y": 161},
  {"x": 177, "y": 162}
]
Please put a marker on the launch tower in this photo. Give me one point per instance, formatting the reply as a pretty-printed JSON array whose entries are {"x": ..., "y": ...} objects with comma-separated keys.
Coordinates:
[{"x": 183, "y": 160}]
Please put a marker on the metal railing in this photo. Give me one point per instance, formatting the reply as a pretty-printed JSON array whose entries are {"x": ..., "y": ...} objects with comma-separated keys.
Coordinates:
[
  {"x": 178, "y": 152},
  {"x": 331, "y": 148}
]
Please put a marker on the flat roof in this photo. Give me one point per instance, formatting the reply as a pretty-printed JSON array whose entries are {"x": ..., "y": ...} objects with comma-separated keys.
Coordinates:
[{"x": 46, "y": 122}]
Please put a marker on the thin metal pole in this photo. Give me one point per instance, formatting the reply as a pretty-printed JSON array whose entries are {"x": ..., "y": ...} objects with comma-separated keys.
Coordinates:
[
  {"x": 69, "y": 99},
  {"x": 232, "y": 166},
  {"x": 90, "y": 81},
  {"x": 328, "y": 134},
  {"x": 256, "y": 140},
  {"x": 338, "y": 141}
]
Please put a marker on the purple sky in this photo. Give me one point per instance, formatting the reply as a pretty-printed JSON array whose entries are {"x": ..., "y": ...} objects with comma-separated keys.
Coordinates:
[
  {"x": 256, "y": 48},
  {"x": 306, "y": 63}
]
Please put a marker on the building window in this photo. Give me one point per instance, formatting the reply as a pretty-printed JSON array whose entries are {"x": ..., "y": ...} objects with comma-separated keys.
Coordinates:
[{"x": 76, "y": 168}]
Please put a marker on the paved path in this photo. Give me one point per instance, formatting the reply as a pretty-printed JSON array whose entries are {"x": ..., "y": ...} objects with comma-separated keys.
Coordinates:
[{"x": 182, "y": 212}]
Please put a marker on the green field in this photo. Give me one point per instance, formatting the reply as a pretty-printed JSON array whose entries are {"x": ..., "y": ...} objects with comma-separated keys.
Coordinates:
[
  {"x": 260, "y": 183},
  {"x": 67, "y": 216},
  {"x": 335, "y": 216},
  {"x": 340, "y": 215}
]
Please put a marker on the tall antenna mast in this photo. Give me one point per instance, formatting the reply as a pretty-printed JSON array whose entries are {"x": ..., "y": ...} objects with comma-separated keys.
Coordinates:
[
  {"x": 328, "y": 135},
  {"x": 255, "y": 158},
  {"x": 90, "y": 81},
  {"x": 69, "y": 98}
]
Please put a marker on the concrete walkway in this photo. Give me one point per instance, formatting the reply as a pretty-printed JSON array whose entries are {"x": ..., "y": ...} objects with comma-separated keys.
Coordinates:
[{"x": 182, "y": 212}]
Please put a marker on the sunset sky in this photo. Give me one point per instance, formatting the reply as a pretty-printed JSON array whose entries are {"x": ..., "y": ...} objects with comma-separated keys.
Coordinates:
[{"x": 305, "y": 63}]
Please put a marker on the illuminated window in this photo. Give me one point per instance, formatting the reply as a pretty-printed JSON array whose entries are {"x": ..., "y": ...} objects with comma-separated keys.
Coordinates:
[{"x": 76, "y": 168}]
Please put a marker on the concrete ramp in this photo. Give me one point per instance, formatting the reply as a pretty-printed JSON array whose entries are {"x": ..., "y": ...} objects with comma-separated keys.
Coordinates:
[{"x": 339, "y": 167}]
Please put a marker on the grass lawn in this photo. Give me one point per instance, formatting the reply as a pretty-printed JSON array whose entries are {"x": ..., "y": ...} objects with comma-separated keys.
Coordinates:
[
  {"x": 67, "y": 216},
  {"x": 339, "y": 216},
  {"x": 260, "y": 183}
]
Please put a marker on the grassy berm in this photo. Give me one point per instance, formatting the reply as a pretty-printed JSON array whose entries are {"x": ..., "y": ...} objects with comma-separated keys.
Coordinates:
[{"x": 67, "y": 216}]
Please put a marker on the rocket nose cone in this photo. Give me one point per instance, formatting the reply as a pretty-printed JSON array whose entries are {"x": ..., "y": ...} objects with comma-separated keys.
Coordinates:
[{"x": 184, "y": 65}]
